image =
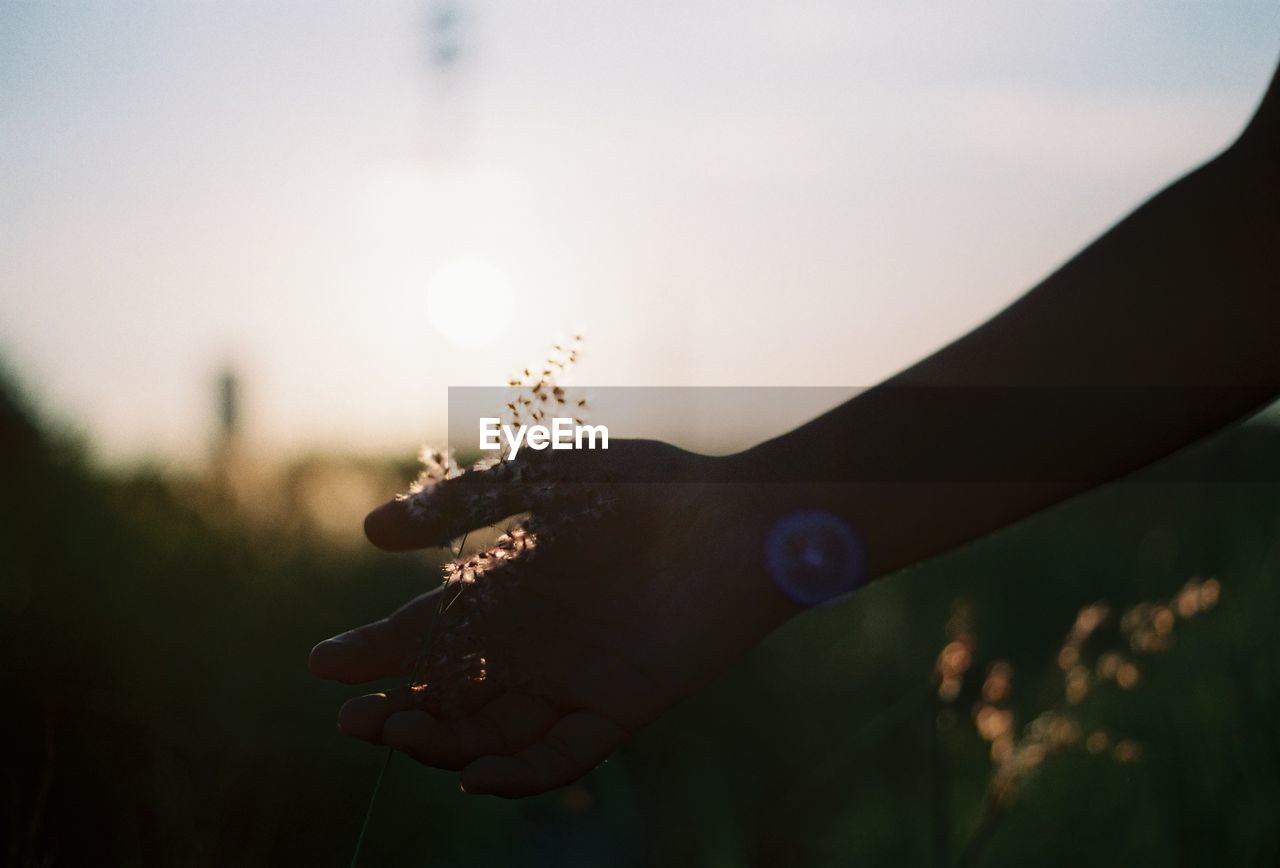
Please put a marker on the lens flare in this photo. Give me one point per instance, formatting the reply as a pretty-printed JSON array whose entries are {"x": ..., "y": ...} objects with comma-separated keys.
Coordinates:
[{"x": 814, "y": 557}]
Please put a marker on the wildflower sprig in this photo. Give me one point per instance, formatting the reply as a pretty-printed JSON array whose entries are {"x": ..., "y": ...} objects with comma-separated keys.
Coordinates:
[
  {"x": 452, "y": 657},
  {"x": 1146, "y": 628}
]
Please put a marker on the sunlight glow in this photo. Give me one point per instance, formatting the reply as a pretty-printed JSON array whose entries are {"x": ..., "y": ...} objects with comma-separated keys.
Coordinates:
[{"x": 469, "y": 301}]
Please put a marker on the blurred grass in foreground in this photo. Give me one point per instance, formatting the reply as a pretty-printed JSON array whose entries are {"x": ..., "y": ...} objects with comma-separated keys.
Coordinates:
[{"x": 158, "y": 710}]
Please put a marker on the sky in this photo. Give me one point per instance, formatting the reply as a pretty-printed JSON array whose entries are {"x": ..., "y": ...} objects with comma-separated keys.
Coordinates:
[{"x": 714, "y": 192}]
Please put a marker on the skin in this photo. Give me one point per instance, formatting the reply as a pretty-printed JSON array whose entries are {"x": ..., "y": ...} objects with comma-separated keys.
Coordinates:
[{"x": 1180, "y": 300}]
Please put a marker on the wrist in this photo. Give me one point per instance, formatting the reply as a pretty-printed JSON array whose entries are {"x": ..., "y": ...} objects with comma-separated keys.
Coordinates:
[{"x": 801, "y": 548}]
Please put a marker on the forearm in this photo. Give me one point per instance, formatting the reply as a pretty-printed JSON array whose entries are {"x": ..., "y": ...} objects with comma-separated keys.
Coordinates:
[{"x": 1159, "y": 333}]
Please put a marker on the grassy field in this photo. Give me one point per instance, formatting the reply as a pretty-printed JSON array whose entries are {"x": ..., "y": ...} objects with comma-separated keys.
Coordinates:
[{"x": 159, "y": 712}]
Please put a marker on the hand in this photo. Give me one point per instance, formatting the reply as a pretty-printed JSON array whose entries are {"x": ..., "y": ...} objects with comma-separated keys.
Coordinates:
[{"x": 614, "y": 620}]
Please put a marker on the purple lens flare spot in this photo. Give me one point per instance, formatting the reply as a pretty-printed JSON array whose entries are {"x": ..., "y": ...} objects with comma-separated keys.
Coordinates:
[{"x": 814, "y": 557}]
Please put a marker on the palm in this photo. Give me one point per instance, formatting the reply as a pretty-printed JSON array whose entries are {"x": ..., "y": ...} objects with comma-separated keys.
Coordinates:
[{"x": 622, "y": 617}]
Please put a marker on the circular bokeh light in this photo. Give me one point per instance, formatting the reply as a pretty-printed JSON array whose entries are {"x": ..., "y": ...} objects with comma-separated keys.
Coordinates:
[{"x": 814, "y": 557}]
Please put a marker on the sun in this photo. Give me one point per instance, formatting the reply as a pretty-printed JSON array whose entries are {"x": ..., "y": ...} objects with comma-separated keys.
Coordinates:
[{"x": 469, "y": 302}]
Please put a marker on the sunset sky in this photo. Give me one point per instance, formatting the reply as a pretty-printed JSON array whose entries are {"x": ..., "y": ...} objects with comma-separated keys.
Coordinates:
[{"x": 716, "y": 193}]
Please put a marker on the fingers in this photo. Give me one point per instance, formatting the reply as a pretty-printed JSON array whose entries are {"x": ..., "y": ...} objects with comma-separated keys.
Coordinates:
[
  {"x": 447, "y": 510},
  {"x": 572, "y": 747},
  {"x": 509, "y": 723},
  {"x": 379, "y": 650},
  {"x": 482, "y": 497},
  {"x": 516, "y": 745},
  {"x": 364, "y": 716}
]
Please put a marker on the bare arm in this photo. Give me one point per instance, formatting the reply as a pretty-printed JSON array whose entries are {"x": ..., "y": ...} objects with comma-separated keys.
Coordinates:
[
  {"x": 1162, "y": 331},
  {"x": 1158, "y": 333}
]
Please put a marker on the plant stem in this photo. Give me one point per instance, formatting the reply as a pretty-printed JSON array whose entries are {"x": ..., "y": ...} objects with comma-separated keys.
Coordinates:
[
  {"x": 418, "y": 668},
  {"x": 977, "y": 843},
  {"x": 368, "y": 814},
  {"x": 939, "y": 791}
]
